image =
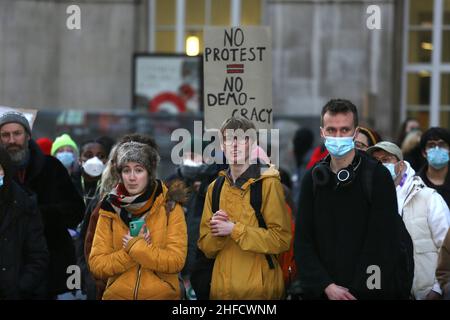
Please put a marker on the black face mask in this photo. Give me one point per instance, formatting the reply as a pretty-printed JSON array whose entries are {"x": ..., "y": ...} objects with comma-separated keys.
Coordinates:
[{"x": 192, "y": 173}]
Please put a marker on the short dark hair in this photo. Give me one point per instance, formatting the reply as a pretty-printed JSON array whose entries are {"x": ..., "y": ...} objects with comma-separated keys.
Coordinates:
[
  {"x": 434, "y": 133},
  {"x": 335, "y": 106}
]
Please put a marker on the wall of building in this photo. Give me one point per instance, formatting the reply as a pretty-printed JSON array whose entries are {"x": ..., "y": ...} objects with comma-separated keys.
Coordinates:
[
  {"x": 323, "y": 50},
  {"x": 46, "y": 66}
]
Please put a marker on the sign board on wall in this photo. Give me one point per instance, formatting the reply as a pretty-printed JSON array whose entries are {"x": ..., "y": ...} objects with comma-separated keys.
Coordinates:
[{"x": 167, "y": 83}]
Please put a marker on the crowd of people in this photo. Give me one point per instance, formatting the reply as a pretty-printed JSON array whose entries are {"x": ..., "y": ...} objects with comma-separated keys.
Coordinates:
[{"x": 359, "y": 218}]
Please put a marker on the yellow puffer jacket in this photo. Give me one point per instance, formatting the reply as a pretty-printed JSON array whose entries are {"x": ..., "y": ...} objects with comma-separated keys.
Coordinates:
[
  {"x": 141, "y": 271},
  {"x": 241, "y": 270}
]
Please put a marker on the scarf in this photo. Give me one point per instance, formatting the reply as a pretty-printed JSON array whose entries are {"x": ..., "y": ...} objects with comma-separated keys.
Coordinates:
[{"x": 131, "y": 207}]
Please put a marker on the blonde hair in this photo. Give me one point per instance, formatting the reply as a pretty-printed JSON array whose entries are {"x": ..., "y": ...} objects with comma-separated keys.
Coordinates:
[
  {"x": 110, "y": 176},
  {"x": 411, "y": 141}
]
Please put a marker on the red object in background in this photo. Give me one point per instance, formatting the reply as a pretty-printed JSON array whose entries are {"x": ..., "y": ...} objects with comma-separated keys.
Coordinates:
[
  {"x": 167, "y": 97},
  {"x": 318, "y": 154},
  {"x": 45, "y": 144},
  {"x": 187, "y": 91}
]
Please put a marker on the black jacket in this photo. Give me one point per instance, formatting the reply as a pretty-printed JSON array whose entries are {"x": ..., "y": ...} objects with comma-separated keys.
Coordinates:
[
  {"x": 61, "y": 208},
  {"x": 443, "y": 190},
  {"x": 23, "y": 250},
  {"x": 341, "y": 233}
]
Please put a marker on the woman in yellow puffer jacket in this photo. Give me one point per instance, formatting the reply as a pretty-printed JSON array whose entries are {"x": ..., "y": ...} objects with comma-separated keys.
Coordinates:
[{"x": 145, "y": 266}]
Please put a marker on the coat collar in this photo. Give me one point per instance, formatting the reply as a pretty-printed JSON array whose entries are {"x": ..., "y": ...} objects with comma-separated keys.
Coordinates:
[{"x": 253, "y": 173}]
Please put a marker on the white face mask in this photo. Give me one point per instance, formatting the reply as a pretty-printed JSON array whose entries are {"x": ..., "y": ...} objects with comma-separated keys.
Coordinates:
[
  {"x": 191, "y": 163},
  {"x": 93, "y": 167}
]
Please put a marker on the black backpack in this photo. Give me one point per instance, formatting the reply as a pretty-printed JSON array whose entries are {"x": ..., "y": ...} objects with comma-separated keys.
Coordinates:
[{"x": 203, "y": 268}]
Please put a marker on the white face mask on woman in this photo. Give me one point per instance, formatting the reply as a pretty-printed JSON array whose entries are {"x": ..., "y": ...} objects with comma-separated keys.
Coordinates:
[{"x": 93, "y": 167}]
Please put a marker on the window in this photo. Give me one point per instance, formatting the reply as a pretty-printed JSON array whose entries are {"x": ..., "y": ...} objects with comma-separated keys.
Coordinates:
[
  {"x": 426, "y": 72},
  {"x": 198, "y": 13}
]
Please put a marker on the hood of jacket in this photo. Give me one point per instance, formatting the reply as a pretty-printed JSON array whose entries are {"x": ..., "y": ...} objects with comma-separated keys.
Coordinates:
[
  {"x": 411, "y": 185},
  {"x": 253, "y": 173}
]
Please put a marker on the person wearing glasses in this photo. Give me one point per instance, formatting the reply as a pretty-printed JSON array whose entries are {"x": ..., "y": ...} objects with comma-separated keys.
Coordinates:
[
  {"x": 435, "y": 144},
  {"x": 425, "y": 214},
  {"x": 246, "y": 266}
]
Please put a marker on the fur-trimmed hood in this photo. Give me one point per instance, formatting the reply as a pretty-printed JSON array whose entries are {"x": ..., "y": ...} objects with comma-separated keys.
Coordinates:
[{"x": 177, "y": 192}]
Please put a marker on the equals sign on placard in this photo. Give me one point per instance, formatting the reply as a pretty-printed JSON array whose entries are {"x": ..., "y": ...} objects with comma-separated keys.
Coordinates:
[{"x": 235, "y": 68}]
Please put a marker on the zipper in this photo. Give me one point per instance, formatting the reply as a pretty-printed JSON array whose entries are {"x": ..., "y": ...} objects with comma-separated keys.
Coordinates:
[{"x": 138, "y": 280}]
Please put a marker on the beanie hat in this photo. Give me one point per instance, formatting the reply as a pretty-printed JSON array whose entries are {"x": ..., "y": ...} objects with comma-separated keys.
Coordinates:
[
  {"x": 62, "y": 141},
  {"x": 45, "y": 144},
  {"x": 139, "y": 153},
  {"x": 15, "y": 117}
]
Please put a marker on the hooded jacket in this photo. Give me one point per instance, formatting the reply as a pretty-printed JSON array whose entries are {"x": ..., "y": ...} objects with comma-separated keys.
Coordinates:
[
  {"x": 426, "y": 217},
  {"x": 141, "y": 271},
  {"x": 241, "y": 270}
]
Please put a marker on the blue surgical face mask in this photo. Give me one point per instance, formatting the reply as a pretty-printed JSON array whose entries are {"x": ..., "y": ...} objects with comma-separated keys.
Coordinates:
[
  {"x": 339, "y": 147},
  {"x": 391, "y": 168},
  {"x": 1, "y": 181},
  {"x": 437, "y": 157},
  {"x": 66, "y": 158}
]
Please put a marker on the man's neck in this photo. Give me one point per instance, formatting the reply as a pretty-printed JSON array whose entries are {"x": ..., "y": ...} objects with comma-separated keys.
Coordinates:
[
  {"x": 237, "y": 170},
  {"x": 340, "y": 163},
  {"x": 437, "y": 177}
]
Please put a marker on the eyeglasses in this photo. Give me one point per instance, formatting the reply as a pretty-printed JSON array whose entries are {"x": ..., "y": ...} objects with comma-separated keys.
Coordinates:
[
  {"x": 229, "y": 140},
  {"x": 433, "y": 144}
]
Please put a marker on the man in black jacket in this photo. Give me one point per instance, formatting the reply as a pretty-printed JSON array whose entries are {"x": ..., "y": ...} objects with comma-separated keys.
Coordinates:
[
  {"x": 46, "y": 179},
  {"x": 23, "y": 249},
  {"x": 347, "y": 241}
]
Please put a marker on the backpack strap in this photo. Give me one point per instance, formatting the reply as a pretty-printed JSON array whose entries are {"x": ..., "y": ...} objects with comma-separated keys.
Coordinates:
[
  {"x": 323, "y": 162},
  {"x": 256, "y": 202},
  {"x": 367, "y": 179},
  {"x": 217, "y": 188}
]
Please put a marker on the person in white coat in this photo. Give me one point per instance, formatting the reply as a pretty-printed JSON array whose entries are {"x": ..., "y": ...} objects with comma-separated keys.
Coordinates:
[{"x": 425, "y": 214}]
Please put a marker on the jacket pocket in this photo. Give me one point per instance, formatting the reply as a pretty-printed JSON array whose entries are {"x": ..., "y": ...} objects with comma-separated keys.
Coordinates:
[
  {"x": 166, "y": 282},
  {"x": 424, "y": 245}
]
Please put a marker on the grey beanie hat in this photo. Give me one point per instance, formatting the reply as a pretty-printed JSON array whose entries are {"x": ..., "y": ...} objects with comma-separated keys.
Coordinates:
[
  {"x": 15, "y": 117},
  {"x": 139, "y": 153}
]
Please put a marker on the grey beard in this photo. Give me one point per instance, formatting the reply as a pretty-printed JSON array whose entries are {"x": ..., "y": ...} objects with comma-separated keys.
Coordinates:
[{"x": 18, "y": 157}]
